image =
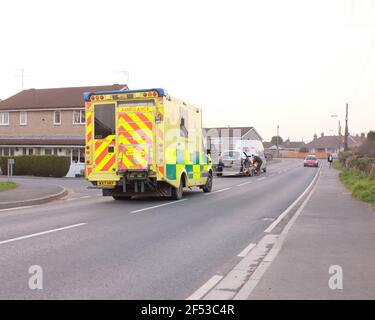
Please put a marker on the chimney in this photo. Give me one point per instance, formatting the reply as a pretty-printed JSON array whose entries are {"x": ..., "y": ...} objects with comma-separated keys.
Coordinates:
[
  {"x": 315, "y": 136},
  {"x": 363, "y": 135},
  {"x": 322, "y": 134}
]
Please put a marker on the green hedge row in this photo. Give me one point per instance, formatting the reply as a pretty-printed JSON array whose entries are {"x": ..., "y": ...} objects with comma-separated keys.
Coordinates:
[{"x": 42, "y": 166}]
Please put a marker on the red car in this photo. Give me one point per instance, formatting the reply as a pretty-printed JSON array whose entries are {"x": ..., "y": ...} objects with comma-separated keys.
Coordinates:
[{"x": 311, "y": 161}]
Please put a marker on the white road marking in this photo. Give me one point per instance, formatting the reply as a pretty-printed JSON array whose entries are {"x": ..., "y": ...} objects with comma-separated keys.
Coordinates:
[
  {"x": 242, "y": 184},
  {"x": 260, "y": 179},
  {"x": 245, "y": 251},
  {"x": 205, "y": 288},
  {"x": 281, "y": 216},
  {"x": 160, "y": 205},
  {"x": 16, "y": 208},
  {"x": 42, "y": 233},
  {"x": 257, "y": 275},
  {"x": 221, "y": 190},
  {"x": 84, "y": 197}
]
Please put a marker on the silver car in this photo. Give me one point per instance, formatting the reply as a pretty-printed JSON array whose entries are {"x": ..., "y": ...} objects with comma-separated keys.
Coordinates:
[{"x": 234, "y": 162}]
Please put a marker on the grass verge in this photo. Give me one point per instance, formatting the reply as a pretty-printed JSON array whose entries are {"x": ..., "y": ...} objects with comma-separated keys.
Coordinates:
[
  {"x": 361, "y": 186},
  {"x": 7, "y": 185}
]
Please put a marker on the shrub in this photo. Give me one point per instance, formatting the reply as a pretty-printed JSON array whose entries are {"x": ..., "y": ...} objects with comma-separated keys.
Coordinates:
[{"x": 43, "y": 166}]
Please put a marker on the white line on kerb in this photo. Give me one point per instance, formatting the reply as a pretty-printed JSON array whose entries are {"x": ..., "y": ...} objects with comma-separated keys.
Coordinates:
[
  {"x": 160, "y": 205},
  {"x": 281, "y": 216},
  {"x": 245, "y": 251},
  {"x": 221, "y": 190},
  {"x": 242, "y": 184},
  {"x": 205, "y": 288},
  {"x": 42, "y": 233}
]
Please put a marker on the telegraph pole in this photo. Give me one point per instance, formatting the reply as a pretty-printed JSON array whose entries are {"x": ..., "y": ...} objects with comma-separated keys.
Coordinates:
[
  {"x": 277, "y": 141},
  {"x": 346, "y": 130}
]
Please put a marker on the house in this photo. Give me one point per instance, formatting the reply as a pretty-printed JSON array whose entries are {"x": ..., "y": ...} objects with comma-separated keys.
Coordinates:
[
  {"x": 47, "y": 122},
  {"x": 224, "y": 138},
  {"x": 333, "y": 144}
]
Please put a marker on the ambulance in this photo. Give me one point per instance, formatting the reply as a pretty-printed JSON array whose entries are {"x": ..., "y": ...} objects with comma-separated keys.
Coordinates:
[{"x": 144, "y": 142}]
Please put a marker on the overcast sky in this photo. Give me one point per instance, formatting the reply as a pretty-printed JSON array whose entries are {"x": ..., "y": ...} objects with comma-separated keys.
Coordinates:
[{"x": 246, "y": 63}]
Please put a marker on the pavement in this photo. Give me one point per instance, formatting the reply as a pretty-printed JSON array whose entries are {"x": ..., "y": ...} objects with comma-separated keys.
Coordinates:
[
  {"x": 30, "y": 193},
  {"x": 93, "y": 247},
  {"x": 332, "y": 231}
]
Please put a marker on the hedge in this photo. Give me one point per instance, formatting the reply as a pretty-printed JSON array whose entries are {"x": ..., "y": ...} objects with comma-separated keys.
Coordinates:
[{"x": 42, "y": 166}]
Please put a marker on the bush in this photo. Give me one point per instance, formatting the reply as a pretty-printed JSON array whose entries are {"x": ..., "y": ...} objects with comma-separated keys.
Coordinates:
[
  {"x": 364, "y": 164},
  {"x": 42, "y": 166}
]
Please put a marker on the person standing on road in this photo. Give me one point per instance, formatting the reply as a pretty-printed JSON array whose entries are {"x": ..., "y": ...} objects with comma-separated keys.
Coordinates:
[
  {"x": 258, "y": 162},
  {"x": 330, "y": 159}
]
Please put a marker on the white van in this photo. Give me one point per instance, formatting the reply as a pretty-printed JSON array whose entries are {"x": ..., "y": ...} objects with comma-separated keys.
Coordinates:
[{"x": 251, "y": 147}]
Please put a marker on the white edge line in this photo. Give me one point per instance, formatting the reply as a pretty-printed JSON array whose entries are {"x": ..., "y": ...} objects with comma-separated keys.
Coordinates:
[
  {"x": 42, "y": 233},
  {"x": 245, "y": 251},
  {"x": 17, "y": 208},
  {"x": 245, "y": 292},
  {"x": 281, "y": 216},
  {"x": 221, "y": 190},
  {"x": 160, "y": 205},
  {"x": 242, "y": 184},
  {"x": 203, "y": 290}
]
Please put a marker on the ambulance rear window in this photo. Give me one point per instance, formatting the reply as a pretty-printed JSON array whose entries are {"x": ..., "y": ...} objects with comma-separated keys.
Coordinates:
[{"x": 104, "y": 120}]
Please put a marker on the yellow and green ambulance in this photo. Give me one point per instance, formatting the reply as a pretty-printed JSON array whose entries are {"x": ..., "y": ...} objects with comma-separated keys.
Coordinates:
[{"x": 144, "y": 142}]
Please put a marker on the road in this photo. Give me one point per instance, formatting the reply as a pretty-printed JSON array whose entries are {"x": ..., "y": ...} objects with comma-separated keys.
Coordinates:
[{"x": 91, "y": 247}]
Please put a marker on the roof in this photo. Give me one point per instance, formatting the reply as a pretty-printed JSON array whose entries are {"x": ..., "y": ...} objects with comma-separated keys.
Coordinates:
[
  {"x": 324, "y": 142},
  {"x": 293, "y": 144},
  {"x": 49, "y": 141},
  {"x": 232, "y": 130},
  {"x": 285, "y": 145},
  {"x": 54, "y": 98},
  {"x": 160, "y": 91}
]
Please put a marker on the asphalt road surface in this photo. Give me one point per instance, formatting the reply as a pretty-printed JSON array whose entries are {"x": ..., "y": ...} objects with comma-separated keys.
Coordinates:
[{"x": 92, "y": 247}]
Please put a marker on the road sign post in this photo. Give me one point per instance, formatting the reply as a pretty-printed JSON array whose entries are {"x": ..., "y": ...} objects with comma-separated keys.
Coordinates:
[{"x": 10, "y": 169}]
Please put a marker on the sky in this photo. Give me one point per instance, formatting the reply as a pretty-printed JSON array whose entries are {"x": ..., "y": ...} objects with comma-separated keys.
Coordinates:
[{"x": 257, "y": 63}]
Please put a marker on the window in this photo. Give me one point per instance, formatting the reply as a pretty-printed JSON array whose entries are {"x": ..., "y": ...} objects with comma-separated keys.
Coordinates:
[
  {"x": 24, "y": 151},
  {"x": 4, "y": 118},
  {"x": 23, "y": 118},
  {"x": 82, "y": 155},
  {"x": 104, "y": 120},
  {"x": 6, "y": 152},
  {"x": 75, "y": 155},
  {"x": 48, "y": 152},
  {"x": 79, "y": 117},
  {"x": 57, "y": 118},
  {"x": 184, "y": 123},
  {"x": 31, "y": 151}
]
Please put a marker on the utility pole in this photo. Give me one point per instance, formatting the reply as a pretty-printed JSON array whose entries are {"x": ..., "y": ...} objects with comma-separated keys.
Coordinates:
[
  {"x": 277, "y": 141},
  {"x": 346, "y": 130}
]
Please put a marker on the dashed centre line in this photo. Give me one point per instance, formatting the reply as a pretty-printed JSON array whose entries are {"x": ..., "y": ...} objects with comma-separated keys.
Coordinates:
[{"x": 42, "y": 233}]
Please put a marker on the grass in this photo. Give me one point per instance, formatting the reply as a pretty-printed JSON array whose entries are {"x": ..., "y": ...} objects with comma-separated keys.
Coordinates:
[
  {"x": 7, "y": 185},
  {"x": 361, "y": 186}
]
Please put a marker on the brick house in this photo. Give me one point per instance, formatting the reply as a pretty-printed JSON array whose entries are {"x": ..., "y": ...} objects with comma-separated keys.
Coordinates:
[{"x": 46, "y": 122}]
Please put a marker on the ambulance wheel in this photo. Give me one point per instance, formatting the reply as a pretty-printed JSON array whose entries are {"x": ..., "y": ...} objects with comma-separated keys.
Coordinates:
[
  {"x": 122, "y": 198},
  {"x": 208, "y": 186},
  {"x": 177, "y": 192}
]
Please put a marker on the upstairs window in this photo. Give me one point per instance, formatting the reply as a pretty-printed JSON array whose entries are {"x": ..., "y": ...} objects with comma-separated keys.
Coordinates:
[
  {"x": 57, "y": 118},
  {"x": 79, "y": 117},
  {"x": 4, "y": 118},
  {"x": 23, "y": 118}
]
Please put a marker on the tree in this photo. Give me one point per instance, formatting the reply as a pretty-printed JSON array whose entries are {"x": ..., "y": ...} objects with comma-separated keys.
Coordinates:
[
  {"x": 371, "y": 143},
  {"x": 275, "y": 141}
]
